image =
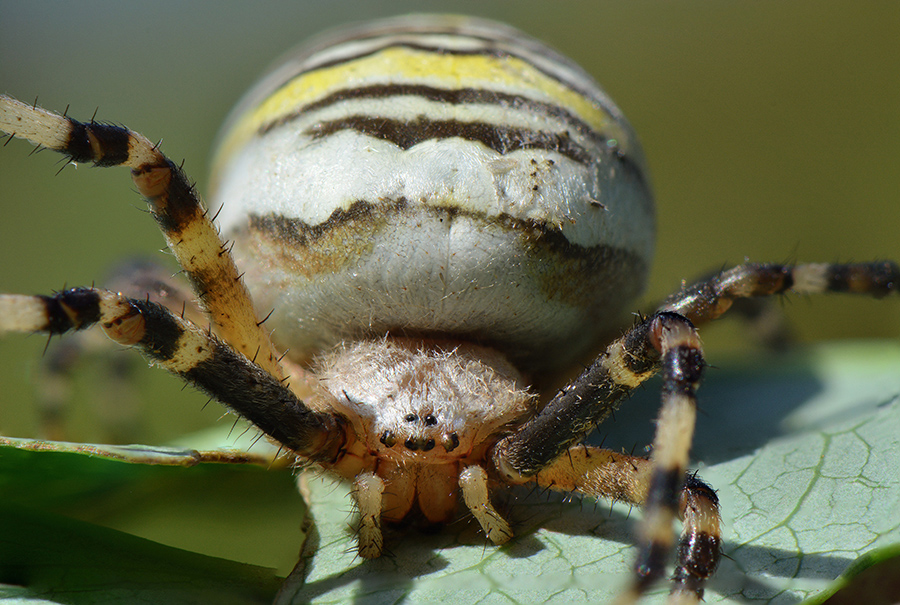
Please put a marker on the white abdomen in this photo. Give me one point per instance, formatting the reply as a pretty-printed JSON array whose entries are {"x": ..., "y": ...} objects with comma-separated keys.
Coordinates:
[{"x": 436, "y": 176}]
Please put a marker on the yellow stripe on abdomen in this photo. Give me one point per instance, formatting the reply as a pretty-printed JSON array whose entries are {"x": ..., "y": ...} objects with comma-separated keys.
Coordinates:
[{"x": 397, "y": 64}]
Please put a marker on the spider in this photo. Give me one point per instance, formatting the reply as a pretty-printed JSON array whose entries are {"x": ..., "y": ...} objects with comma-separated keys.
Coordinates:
[{"x": 434, "y": 216}]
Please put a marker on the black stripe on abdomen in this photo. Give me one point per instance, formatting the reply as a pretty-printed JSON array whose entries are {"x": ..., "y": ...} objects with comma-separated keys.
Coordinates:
[
  {"x": 406, "y": 134},
  {"x": 456, "y": 96}
]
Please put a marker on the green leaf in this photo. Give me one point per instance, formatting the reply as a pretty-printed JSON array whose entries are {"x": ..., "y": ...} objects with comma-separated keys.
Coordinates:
[
  {"x": 50, "y": 559},
  {"x": 802, "y": 448},
  {"x": 874, "y": 579}
]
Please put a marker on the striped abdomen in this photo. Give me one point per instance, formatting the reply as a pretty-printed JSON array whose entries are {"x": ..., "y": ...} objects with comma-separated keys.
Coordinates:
[{"x": 436, "y": 175}]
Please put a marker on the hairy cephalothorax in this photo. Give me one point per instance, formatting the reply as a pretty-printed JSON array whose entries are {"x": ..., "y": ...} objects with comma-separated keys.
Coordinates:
[
  {"x": 422, "y": 416},
  {"x": 421, "y": 402},
  {"x": 441, "y": 211}
]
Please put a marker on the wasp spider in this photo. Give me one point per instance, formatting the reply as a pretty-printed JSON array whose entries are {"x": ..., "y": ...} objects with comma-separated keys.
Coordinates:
[{"x": 434, "y": 214}]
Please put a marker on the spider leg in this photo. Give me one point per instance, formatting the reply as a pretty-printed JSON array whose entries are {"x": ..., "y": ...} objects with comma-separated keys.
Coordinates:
[
  {"x": 195, "y": 355},
  {"x": 473, "y": 481},
  {"x": 708, "y": 299},
  {"x": 576, "y": 409},
  {"x": 368, "y": 492},
  {"x": 667, "y": 340},
  {"x": 601, "y": 473},
  {"x": 176, "y": 205},
  {"x": 681, "y": 359},
  {"x": 764, "y": 319},
  {"x": 117, "y": 402}
]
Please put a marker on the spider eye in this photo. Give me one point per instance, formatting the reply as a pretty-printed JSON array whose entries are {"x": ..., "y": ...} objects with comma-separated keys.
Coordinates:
[
  {"x": 450, "y": 442},
  {"x": 411, "y": 418},
  {"x": 388, "y": 439},
  {"x": 411, "y": 444},
  {"x": 430, "y": 420}
]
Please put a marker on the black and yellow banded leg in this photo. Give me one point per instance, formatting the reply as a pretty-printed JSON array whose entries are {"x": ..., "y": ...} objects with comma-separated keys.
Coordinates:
[
  {"x": 710, "y": 298},
  {"x": 630, "y": 360},
  {"x": 601, "y": 473},
  {"x": 195, "y": 355},
  {"x": 175, "y": 204},
  {"x": 667, "y": 341},
  {"x": 117, "y": 402},
  {"x": 681, "y": 361}
]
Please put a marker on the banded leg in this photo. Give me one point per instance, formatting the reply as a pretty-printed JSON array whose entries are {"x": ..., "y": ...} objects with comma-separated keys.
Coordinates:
[
  {"x": 709, "y": 299},
  {"x": 193, "y": 354},
  {"x": 667, "y": 340},
  {"x": 601, "y": 473},
  {"x": 633, "y": 358},
  {"x": 175, "y": 204},
  {"x": 117, "y": 402},
  {"x": 682, "y": 366}
]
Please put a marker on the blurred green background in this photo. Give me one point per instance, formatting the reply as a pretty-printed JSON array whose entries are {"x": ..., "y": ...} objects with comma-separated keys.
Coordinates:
[{"x": 771, "y": 128}]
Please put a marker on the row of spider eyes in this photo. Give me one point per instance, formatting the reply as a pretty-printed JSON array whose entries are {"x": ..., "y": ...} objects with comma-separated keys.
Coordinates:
[
  {"x": 449, "y": 442},
  {"x": 430, "y": 420}
]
